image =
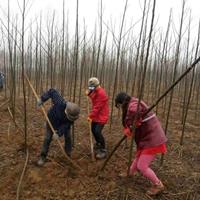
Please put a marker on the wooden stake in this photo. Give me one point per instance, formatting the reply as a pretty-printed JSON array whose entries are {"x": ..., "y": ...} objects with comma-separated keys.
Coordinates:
[{"x": 91, "y": 141}]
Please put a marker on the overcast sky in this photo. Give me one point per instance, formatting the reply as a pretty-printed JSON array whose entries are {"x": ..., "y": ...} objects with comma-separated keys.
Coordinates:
[{"x": 112, "y": 12}]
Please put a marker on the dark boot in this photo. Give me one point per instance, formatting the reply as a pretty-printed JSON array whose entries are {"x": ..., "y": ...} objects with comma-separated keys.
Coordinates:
[
  {"x": 97, "y": 147},
  {"x": 101, "y": 154}
]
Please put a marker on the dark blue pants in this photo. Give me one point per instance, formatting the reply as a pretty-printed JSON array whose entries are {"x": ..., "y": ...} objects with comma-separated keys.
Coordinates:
[
  {"x": 97, "y": 133},
  {"x": 48, "y": 139},
  {"x": 1, "y": 83}
]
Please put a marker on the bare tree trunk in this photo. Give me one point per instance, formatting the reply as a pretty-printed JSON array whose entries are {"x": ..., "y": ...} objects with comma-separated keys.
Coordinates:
[
  {"x": 23, "y": 73},
  {"x": 175, "y": 72},
  {"x": 63, "y": 66},
  {"x": 100, "y": 39},
  {"x": 190, "y": 91},
  {"x": 186, "y": 78},
  {"x": 117, "y": 62},
  {"x": 82, "y": 67},
  {"x": 141, "y": 92},
  {"x": 163, "y": 56},
  {"x": 138, "y": 49},
  {"x": 175, "y": 65},
  {"x": 76, "y": 52}
]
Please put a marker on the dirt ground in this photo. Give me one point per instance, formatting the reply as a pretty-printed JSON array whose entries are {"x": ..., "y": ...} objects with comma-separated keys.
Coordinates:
[{"x": 59, "y": 180}]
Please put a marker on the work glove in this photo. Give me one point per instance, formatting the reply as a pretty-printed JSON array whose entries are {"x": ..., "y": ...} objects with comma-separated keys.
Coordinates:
[
  {"x": 138, "y": 123},
  {"x": 127, "y": 132},
  {"x": 39, "y": 102}
]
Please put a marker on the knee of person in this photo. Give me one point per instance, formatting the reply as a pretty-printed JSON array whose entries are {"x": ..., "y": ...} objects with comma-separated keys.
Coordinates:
[
  {"x": 49, "y": 136},
  {"x": 141, "y": 167}
]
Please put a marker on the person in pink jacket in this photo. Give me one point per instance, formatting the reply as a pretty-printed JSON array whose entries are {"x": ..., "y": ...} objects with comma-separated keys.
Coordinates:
[
  {"x": 149, "y": 137},
  {"x": 98, "y": 116}
]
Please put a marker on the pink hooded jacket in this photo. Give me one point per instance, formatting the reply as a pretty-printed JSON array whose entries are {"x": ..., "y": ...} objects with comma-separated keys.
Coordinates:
[{"x": 149, "y": 133}]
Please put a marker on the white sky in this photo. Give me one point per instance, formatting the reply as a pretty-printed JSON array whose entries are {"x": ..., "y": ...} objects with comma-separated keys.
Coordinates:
[{"x": 112, "y": 12}]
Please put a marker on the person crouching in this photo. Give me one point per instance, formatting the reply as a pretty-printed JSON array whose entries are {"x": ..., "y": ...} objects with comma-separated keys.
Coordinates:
[
  {"x": 149, "y": 137},
  {"x": 62, "y": 115}
]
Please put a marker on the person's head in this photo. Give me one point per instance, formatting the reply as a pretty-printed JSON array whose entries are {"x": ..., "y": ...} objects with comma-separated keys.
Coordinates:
[
  {"x": 93, "y": 83},
  {"x": 72, "y": 111},
  {"x": 121, "y": 99}
]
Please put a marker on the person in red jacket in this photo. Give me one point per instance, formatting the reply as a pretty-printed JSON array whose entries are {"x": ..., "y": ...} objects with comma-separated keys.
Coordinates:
[
  {"x": 149, "y": 137},
  {"x": 98, "y": 116}
]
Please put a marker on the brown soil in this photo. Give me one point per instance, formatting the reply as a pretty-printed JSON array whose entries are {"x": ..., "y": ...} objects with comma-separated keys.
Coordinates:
[{"x": 58, "y": 179}]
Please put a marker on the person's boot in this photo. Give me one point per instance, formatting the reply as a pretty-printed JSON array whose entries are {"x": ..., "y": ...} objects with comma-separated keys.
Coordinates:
[
  {"x": 101, "y": 154},
  {"x": 96, "y": 148},
  {"x": 155, "y": 189},
  {"x": 41, "y": 161}
]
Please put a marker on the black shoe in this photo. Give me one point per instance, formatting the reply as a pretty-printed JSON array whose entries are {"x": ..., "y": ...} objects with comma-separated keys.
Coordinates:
[
  {"x": 101, "y": 154},
  {"x": 97, "y": 147}
]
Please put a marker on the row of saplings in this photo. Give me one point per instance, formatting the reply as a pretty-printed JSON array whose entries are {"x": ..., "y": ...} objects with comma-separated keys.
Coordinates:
[{"x": 149, "y": 136}]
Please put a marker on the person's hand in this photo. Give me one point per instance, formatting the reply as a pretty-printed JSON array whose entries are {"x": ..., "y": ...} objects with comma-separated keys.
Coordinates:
[
  {"x": 87, "y": 92},
  {"x": 55, "y": 136},
  {"x": 138, "y": 123},
  {"x": 89, "y": 119},
  {"x": 39, "y": 102},
  {"x": 127, "y": 132}
]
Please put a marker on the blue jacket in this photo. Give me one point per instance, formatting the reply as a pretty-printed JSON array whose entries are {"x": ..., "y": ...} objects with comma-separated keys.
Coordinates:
[
  {"x": 56, "y": 113},
  {"x": 2, "y": 80}
]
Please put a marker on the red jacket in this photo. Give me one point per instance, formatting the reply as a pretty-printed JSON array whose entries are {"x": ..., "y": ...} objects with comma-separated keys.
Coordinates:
[
  {"x": 150, "y": 132},
  {"x": 100, "y": 109}
]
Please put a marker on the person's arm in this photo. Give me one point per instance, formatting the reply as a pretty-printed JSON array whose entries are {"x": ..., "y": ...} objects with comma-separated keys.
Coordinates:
[
  {"x": 131, "y": 113},
  {"x": 2, "y": 79},
  {"x": 129, "y": 120},
  {"x": 52, "y": 94},
  {"x": 64, "y": 129},
  {"x": 47, "y": 95},
  {"x": 44, "y": 97},
  {"x": 57, "y": 101}
]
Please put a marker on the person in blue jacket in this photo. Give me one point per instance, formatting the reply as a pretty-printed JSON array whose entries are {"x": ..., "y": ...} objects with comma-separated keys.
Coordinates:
[
  {"x": 62, "y": 115},
  {"x": 2, "y": 80}
]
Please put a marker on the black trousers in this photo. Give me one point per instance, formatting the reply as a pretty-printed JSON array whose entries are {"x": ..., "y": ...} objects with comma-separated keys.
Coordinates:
[
  {"x": 48, "y": 139},
  {"x": 97, "y": 133}
]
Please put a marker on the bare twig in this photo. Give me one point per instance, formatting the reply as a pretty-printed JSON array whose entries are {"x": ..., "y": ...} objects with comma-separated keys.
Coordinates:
[
  {"x": 23, "y": 172},
  {"x": 4, "y": 103},
  {"x": 9, "y": 131},
  {"x": 11, "y": 115},
  {"x": 90, "y": 127}
]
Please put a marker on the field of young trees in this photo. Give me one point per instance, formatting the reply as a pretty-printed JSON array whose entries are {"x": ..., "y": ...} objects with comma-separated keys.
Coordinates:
[{"x": 161, "y": 68}]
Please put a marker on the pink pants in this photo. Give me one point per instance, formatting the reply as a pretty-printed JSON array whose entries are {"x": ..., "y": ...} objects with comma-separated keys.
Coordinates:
[{"x": 142, "y": 163}]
